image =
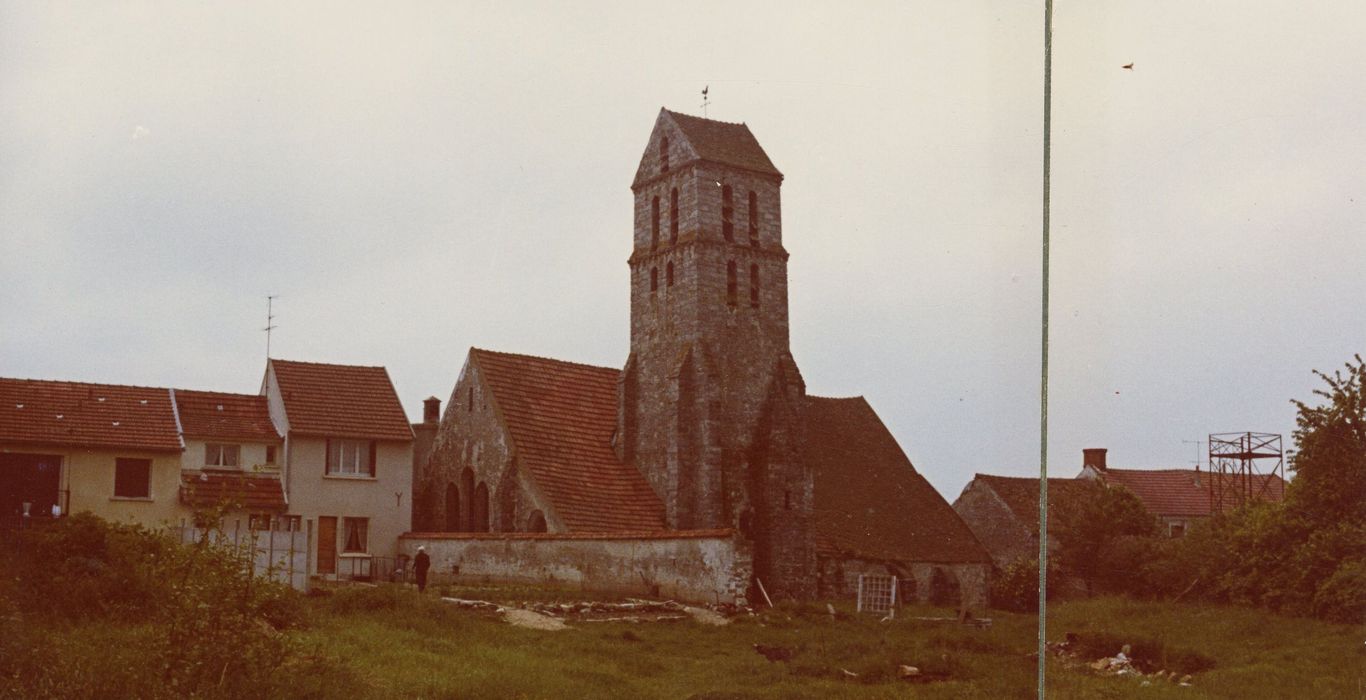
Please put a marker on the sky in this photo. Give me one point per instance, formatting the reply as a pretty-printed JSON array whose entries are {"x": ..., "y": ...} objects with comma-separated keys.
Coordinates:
[{"x": 420, "y": 178}]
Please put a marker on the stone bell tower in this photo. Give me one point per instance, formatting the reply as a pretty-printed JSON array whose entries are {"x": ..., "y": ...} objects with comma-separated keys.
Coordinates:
[{"x": 710, "y": 399}]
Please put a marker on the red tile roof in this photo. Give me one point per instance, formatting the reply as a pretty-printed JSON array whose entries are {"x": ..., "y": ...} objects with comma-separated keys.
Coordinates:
[
  {"x": 251, "y": 492},
  {"x": 869, "y": 499},
  {"x": 341, "y": 401},
  {"x": 1175, "y": 493},
  {"x": 561, "y": 416},
  {"x": 78, "y": 414},
  {"x": 216, "y": 415},
  {"x": 724, "y": 142},
  {"x": 1021, "y": 495}
]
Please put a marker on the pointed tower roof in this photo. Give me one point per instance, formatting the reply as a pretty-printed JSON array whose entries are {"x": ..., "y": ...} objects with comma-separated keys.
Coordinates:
[{"x": 712, "y": 140}]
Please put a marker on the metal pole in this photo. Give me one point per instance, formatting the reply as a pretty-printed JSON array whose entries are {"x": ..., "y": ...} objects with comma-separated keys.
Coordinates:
[{"x": 1043, "y": 379}]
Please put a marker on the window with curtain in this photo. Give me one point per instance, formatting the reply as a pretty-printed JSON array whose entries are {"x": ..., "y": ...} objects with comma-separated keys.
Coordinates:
[{"x": 355, "y": 532}]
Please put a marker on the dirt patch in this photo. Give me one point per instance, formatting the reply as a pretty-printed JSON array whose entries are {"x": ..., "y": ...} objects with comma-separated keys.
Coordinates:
[{"x": 533, "y": 620}]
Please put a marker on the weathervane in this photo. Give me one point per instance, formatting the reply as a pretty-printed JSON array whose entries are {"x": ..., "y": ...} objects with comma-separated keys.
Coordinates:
[
  {"x": 270, "y": 318},
  {"x": 705, "y": 102}
]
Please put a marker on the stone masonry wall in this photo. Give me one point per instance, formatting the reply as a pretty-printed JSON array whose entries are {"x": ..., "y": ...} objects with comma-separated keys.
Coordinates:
[
  {"x": 697, "y": 566},
  {"x": 995, "y": 525},
  {"x": 839, "y": 579},
  {"x": 473, "y": 448}
]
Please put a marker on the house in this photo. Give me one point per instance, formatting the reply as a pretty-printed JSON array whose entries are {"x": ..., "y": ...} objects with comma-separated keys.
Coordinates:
[
  {"x": 231, "y": 458},
  {"x": 1178, "y": 497},
  {"x": 707, "y": 427},
  {"x": 1003, "y": 512},
  {"x": 112, "y": 450},
  {"x": 347, "y": 461}
]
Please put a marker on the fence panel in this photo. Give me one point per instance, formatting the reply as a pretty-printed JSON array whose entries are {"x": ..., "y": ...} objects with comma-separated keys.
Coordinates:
[{"x": 280, "y": 556}]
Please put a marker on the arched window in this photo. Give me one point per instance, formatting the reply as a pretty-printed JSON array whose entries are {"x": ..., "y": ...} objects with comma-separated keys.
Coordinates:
[
  {"x": 731, "y": 284},
  {"x": 452, "y": 508},
  {"x": 654, "y": 278},
  {"x": 753, "y": 219},
  {"x": 469, "y": 400},
  {"x": 479, "y": 511},
  {"x": 466, "y": 490},
  {"x": 673, "y": 215},
  {"x": 664, "y": 154},
  {"x": 654, "y": 223},
  {"x": 754, "y": 285},
  {"x": 535, "y": 522},
  {"x": 669, "y": 274},
  {"x": 727, "y": 214}
]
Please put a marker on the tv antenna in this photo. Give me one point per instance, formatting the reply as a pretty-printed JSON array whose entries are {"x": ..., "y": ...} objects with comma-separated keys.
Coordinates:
[
  {"x": 705, "y": 100},
  {"x": 270, "y": 320},
  {"x": 1197, "y": 444}
]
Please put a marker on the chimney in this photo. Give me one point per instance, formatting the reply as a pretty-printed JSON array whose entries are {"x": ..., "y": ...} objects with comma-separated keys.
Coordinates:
[
  {"x": 431, "y": 410},
  {"x": 1093, "y": 457}
]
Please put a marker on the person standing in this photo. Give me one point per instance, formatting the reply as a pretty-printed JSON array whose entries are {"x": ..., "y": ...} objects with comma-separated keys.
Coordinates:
[{"x": 421, "y": 563}]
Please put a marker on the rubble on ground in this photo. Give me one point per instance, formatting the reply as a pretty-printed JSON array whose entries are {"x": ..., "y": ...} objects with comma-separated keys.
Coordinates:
[
  {"x": 632, "y": 610},
  {"x": 1121, "y": 664}
]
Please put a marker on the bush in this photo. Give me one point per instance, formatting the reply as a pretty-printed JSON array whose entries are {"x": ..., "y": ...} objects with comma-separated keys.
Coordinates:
[
  {"x": 1342, "y": 598},
  {"x": 1016, "y": 587},
  {"x": 197, "y": 611}
]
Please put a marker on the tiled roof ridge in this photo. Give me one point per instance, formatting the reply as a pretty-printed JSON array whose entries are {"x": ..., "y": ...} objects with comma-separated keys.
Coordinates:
[
  {"x": 210, "y": 392},
  {"x": 1004, "y": 477},
  {"x": 325, "y": 364},
  {"x": 703, "y": 119},
  {"x": 81, "y": 383},
  {"x": 856, "y": 397},
  {"x": 543, "y": 358}
]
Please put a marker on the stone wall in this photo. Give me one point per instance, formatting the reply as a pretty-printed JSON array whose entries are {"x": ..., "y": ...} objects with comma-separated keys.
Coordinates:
[
  {"x": 919, "y": 581},
  {"x": 701, "y": 566},
  {"x": 995, "y": 525}
]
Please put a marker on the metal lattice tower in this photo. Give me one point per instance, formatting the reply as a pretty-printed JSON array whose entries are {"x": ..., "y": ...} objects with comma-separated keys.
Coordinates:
[{"x": 1242, "y": 467}]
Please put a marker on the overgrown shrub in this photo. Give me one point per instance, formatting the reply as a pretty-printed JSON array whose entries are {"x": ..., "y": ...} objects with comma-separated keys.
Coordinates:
[
  {"x": 202, "y": 624},
  {"x": 1342, "y": 598},
  {"x": 1016, "y": 587}
]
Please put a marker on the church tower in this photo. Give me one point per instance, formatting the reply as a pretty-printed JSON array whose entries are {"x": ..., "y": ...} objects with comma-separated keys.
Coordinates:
[{"x": 710, "y": 398}]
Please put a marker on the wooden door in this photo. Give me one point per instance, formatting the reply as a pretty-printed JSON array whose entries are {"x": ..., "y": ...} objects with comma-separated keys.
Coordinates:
[{"x": 327, "y": 544}]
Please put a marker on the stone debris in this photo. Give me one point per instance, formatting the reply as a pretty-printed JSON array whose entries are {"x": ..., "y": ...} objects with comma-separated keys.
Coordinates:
[
  {"x": 905, "y": 671},
  {"x": 848, "y": 673},
  {"x": 533, "y": 620},
  {"x": 707, "y": 617},
  {"x": 1121, "y": 664}
]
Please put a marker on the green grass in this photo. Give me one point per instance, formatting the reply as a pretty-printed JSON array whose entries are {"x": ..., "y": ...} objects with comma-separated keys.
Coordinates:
[{"x": 389, "y": 642}]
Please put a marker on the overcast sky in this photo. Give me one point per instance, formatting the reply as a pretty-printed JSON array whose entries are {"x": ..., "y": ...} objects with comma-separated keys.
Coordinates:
[{"x": 419, "y": 179}]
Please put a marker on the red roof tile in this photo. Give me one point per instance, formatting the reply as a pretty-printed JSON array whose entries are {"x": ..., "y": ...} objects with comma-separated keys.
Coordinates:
[
  {"x": 869, "y": 499},
  {"x": 341, "y": 401},
  {"x": 1175, "y": 493},
  {"x": 216, "y": 415},
  {"x": 252, "y": 492},
  {"x": 78, "y": 414},
  {"x": 724, "y": 142},
  {"x": 1021, "y": 495},
  {"x": 561, "y": 416}
]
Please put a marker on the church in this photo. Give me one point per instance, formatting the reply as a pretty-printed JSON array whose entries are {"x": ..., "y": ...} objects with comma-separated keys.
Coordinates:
[{"x": 707, "y": 427}]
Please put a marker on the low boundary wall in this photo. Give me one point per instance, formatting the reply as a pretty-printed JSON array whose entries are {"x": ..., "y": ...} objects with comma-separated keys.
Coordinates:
[{"x": 701, "y": 566}]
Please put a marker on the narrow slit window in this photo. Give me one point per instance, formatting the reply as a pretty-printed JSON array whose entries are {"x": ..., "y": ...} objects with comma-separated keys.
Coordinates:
[
  {"x": 664, "y": 154},
  {"x": 673, "y": 215},
  {"x": 654, "y": 223},
  {"x": 730, "y": 283},
  {"x": 727, "y": 214},
  {"x": 754, "y": 286},
  {"x": 669, "y": 275},
  {"x": 654, "y": 278},
  {"x": 753, "y": 219}
]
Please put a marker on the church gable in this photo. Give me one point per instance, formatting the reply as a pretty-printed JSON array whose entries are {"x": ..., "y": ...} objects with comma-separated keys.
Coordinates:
[
  {"x": 561, "y": 417},
  {"x": 869, "y": 500},
  {"x": 679, "y": 139}
]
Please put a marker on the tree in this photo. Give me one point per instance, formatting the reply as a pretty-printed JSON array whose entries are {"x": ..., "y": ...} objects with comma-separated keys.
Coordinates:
[
  {"x": 1330, "y": 467},
  {"x": 1089, "y": 522}
]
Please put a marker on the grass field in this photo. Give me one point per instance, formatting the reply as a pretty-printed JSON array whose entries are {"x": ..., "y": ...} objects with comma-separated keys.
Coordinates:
[
  {"x": 395, "y": 644},
  {"x": 389, "y": 642}
]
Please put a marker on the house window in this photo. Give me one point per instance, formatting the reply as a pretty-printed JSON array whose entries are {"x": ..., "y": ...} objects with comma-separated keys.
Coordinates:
[
  {"x": 355, "y": 534},
  {"x": 727, "y": 214},
  {"x": 132, "y": 478},
  {"x": 270, "y": 454},
  {"x": 654, "y": 223},
  {"x": 731, "y": 284},
  {"x": 673, "y": 215},
  {"x": 221, "y": 455},
  {"x": 1178, "y": 529},
  {"x": 669, "y": 274},
  {"x": 754, "y": 286},
  {"x": 654, "y": 278},
  {"x": 351, "y": 457},
  {"x": 260, "y": 522},
  {"x": 753, "y": 219},
  {"x": 664, "y": 154}
]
